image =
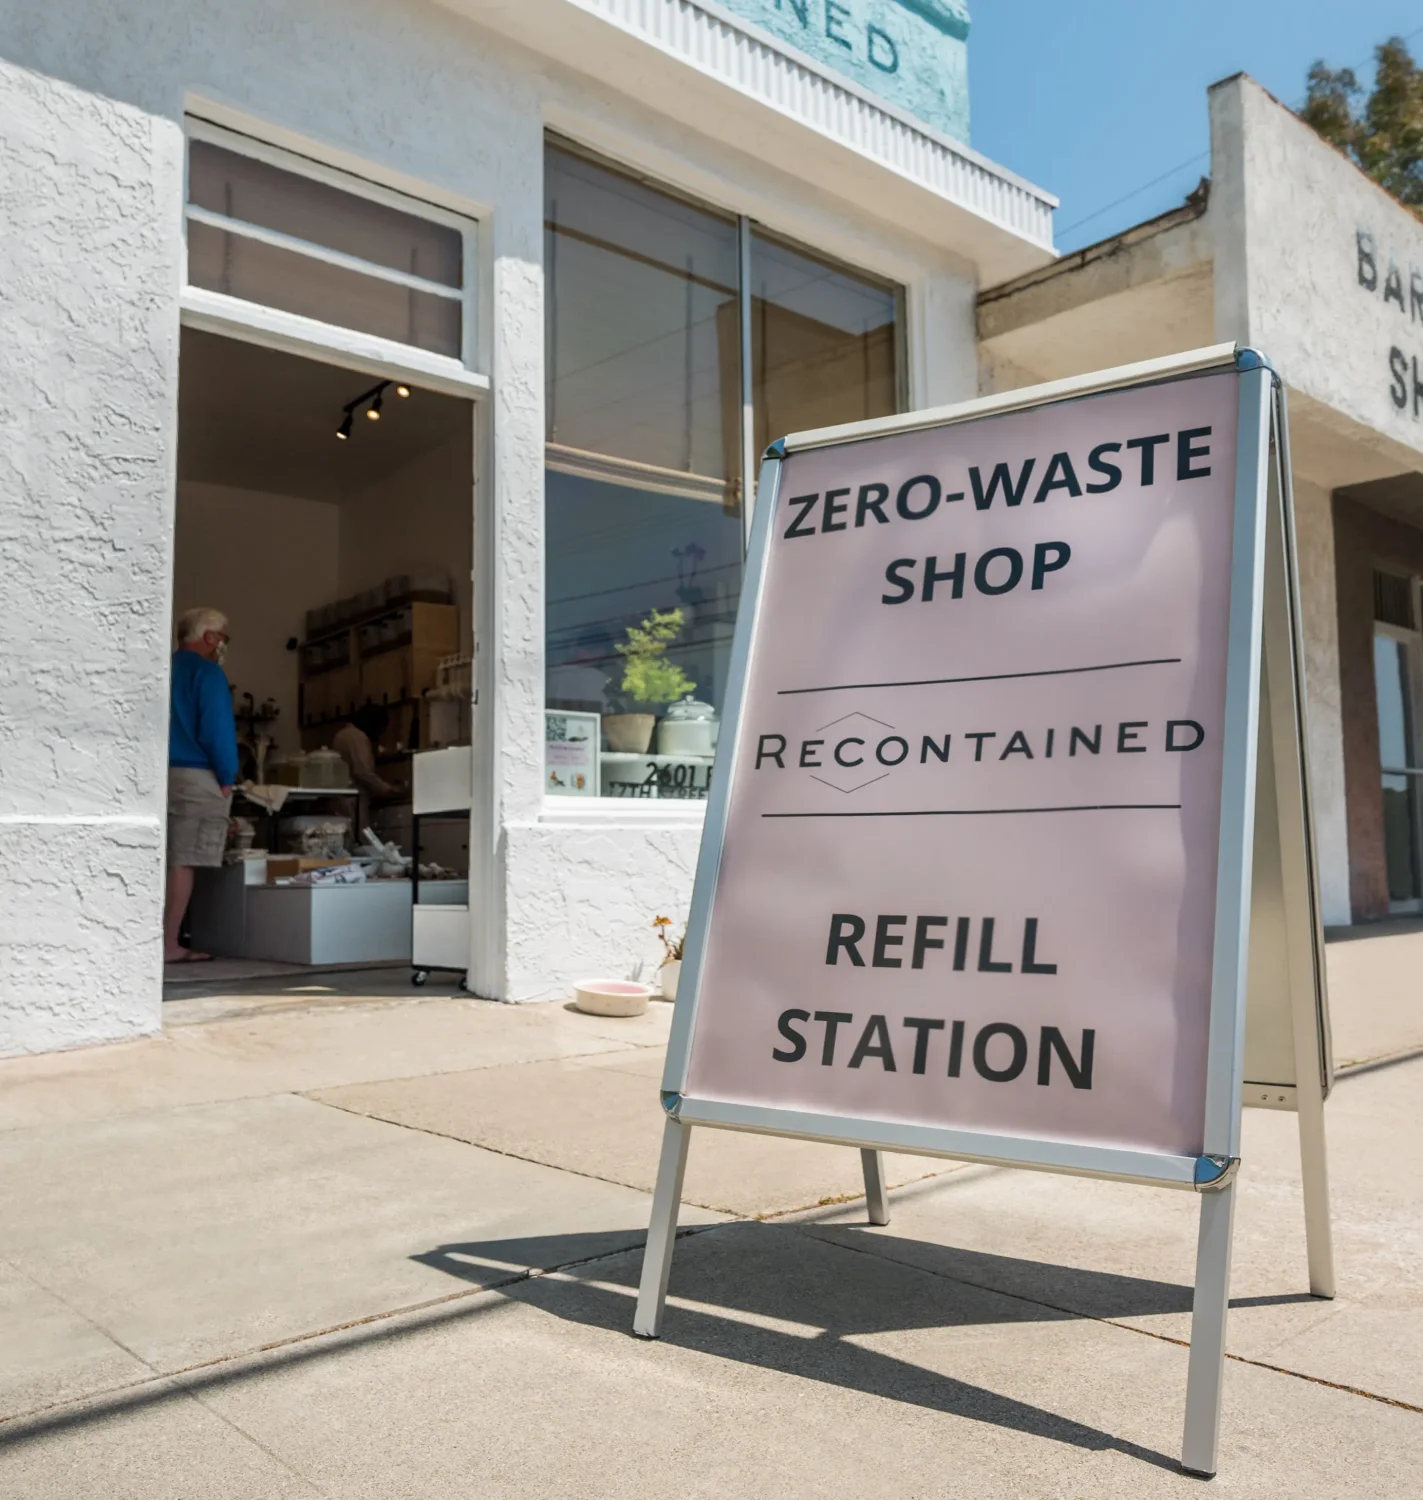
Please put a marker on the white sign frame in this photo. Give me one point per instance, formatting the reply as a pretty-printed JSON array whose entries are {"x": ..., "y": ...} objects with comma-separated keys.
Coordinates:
[{"x": 1263, "y": 643}]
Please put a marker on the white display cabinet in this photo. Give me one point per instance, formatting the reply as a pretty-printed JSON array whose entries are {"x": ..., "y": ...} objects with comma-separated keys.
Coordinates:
[{"x": 441, "y": 786}]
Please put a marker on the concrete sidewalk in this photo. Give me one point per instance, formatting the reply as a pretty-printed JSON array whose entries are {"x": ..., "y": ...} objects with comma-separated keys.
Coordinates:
[{"x": 317, "y": 1243}]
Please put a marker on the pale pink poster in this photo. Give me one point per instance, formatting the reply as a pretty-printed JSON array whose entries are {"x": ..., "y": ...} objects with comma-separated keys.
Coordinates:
[{"x": 969, "y": 867}]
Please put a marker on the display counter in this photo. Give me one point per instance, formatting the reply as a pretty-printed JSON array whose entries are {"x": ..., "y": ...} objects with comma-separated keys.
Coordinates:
[{"x": 236, "y": 914}]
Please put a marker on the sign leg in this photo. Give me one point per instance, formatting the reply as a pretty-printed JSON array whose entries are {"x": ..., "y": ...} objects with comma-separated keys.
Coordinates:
[
  {"x": 1319, "y": 1236},
  {"x": 1206, "y": 1370},
  {"x": 661, "y": 1230},
  {"x": 876, "y": 1192}
]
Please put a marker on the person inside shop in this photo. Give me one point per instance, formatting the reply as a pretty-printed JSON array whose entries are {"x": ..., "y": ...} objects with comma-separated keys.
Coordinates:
[
  {"x": 355, "y": 742},
  {"x": 202, "y": 767}
]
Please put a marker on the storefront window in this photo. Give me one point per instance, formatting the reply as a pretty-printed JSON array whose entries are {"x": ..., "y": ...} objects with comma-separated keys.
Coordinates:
[
  {"x": 644, "y": 483},
  {"x": 824, "y": 345}
]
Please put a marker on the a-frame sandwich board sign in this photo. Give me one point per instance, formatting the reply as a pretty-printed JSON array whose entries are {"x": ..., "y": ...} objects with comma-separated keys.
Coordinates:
[{"x": 1008, "y": 854}]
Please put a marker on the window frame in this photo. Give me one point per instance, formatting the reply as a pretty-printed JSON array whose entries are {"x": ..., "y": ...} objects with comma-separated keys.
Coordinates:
[{"x": 258, "y": 322}]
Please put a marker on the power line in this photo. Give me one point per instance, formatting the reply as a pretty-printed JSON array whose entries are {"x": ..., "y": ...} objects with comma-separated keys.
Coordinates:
[
  {"x": 1199, "y": 156},
  {"x": 1127, "y": 197}
]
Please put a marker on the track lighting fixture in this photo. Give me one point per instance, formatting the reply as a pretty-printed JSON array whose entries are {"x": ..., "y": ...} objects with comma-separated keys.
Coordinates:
[{"x": 372, "y": 400}]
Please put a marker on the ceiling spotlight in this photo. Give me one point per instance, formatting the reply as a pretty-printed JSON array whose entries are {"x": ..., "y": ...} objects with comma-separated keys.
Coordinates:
[{"x": 371, "y": 401}]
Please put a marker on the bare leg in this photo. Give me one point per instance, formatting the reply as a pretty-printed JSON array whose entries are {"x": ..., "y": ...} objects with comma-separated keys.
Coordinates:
[
  {"x": 876, "y": 1190},
  {"x": 180, "y": 892}
]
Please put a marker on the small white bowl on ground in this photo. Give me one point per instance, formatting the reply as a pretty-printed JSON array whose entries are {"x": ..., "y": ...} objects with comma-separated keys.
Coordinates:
[{"x": 611, "y": 997}]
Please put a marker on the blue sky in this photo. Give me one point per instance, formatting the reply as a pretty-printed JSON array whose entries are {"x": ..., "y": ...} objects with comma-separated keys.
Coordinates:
[{"x": 1094, "y": 100}]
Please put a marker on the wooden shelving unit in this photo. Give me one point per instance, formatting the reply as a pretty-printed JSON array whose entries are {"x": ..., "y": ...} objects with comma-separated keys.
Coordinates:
[{"x": 389, "y": 656}]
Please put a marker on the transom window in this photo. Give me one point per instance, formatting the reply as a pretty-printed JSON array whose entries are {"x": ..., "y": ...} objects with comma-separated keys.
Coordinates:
[{"x": 274, "y": 229}]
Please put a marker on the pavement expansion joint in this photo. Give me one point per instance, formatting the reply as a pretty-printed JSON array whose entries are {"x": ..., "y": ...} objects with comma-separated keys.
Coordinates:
[
  {"x": 314, "y": 1097},
  {"x": 1165, "y": 1338},
  {"x": 177, "y": 1377},
  {"x": 1375, "y": 1064},
  {"x": 445, "y": 1135}
]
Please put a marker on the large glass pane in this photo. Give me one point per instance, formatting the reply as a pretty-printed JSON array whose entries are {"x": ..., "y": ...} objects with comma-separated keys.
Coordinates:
[
  {"x": 1392, "y": 686},
  {"x": 642, "y": 343},
  {"x": 643, "y": 527},
  {"x": 1400, "y": 841},
  {"x": 241, "y": 187},
  {"x": 295, "y": 283},
  {"x": 824, "y": 342}
]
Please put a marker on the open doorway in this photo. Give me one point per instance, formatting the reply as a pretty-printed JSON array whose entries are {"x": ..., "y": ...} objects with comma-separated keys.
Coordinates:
[{"x": 328, "y": 515}]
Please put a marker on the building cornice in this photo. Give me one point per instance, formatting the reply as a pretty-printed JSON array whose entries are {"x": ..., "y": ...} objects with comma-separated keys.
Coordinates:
[{"x": 738, "y": 55}]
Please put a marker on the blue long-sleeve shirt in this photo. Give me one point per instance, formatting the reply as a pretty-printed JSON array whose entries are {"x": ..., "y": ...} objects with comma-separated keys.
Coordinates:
[{"x": 201, "y": 731}]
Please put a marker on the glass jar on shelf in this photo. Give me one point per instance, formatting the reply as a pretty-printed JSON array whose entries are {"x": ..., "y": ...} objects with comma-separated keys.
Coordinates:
[{"x": 689, "y": 727}]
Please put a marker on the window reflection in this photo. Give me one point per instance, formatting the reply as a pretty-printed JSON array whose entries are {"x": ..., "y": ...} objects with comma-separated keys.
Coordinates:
[
  {"x": 644, "y": 402},
  {"x": 823, "y": 345},
  {"x": 639, "y": 360}
]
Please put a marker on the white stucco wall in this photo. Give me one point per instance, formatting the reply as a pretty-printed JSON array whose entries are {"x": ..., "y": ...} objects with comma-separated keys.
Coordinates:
[
  {"x": 1293, "y": 215},
  {"x": 88, "y": 348},
  {"x": 92, "y": 109},
  {"x": 91, "y": 105},
  {"x": 1289, "y": 214},
  {"x": 1319, "y": 611}
]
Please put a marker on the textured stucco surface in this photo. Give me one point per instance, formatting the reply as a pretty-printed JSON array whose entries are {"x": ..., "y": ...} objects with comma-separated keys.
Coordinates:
[
  {"x": 88, "y": 358},
  {"x": 80, "y": 954},
  {"x": 1319, "y": 611},
  {"x": 582, "y": 900},
  {"x": 91, "y": 106},
  {"x": 1295, "y": 210},
  {"x": 1290, "y": 213}
]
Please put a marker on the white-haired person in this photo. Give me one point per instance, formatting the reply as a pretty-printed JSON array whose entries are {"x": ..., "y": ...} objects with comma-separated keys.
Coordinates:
[{"x": 202, "y": 767}]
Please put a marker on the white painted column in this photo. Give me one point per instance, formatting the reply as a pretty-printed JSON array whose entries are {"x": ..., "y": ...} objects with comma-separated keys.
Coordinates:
[{"x": 88, "y": 363}]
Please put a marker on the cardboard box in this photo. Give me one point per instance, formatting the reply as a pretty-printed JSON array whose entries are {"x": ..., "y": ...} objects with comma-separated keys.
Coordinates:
[{"x": 284, "y": 866}]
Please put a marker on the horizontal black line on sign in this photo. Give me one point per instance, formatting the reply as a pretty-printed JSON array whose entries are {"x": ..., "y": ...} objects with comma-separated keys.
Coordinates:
[
  {"x": 988, "y": 812},
  {"x": 1109, "y": 666}
]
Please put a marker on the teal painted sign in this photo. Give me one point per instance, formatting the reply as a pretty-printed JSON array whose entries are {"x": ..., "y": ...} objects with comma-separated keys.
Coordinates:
[{"x": 912, "y": 53}]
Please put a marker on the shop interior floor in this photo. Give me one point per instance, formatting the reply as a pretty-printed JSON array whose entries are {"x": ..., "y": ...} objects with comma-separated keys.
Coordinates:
[{"x": 264, "y": 976}]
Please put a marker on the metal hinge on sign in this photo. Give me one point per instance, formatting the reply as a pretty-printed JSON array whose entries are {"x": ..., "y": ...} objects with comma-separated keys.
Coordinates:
[{"x": 1214, "y": 1172}]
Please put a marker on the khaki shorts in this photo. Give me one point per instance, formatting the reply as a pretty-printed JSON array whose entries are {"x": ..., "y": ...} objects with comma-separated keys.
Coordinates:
[{"x": 197, "y": 818}]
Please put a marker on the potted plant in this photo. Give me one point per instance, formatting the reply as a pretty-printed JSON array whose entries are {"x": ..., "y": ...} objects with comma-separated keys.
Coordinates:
[
  {"x": 670, "y": 969},
  {"x": 648, "y": 679}
]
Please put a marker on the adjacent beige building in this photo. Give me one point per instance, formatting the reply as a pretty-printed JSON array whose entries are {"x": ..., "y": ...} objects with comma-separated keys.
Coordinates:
[{"x": 1290, "y": 248}]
